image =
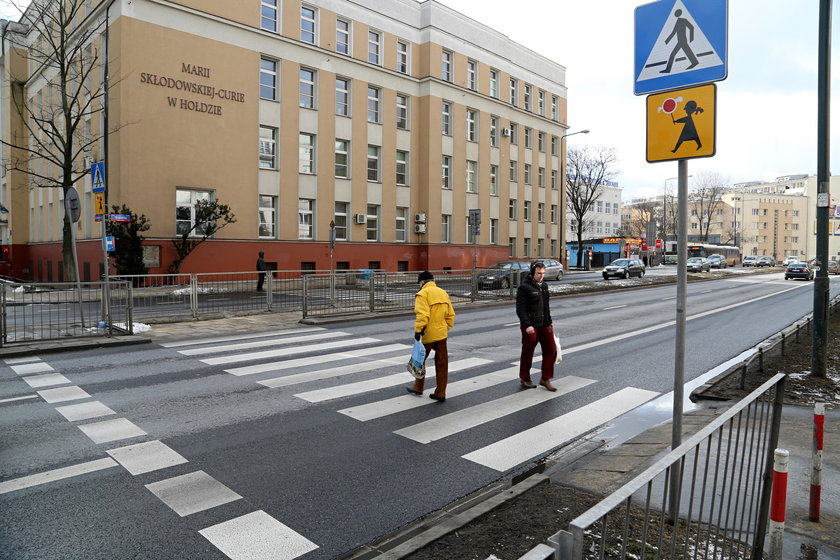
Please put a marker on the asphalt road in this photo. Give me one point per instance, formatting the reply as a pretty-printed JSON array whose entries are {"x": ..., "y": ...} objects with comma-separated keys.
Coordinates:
[{"x": 305, "y": 444}]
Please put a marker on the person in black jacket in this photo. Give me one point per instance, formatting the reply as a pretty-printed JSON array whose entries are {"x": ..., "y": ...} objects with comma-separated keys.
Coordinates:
[{"x": 535, "y": 323}]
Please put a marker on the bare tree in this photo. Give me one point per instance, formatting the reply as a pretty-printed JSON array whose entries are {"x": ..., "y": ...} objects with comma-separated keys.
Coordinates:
[
  {"x": 640, "y": 215},
  {"x": 210, "y": 217},
  {"x": 587, "y": 169},
  {"x": 56, "y": 123},
  {"x": 705, "y": 197}
]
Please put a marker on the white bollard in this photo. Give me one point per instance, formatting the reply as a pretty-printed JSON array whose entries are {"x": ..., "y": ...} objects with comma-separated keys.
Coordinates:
[{"x": 778, "y": 502}]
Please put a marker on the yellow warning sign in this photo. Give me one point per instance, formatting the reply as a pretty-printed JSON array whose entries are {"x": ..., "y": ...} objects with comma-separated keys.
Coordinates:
[
  {"x": 681, "y": 124},
  {"x": 99, "y": 203}
]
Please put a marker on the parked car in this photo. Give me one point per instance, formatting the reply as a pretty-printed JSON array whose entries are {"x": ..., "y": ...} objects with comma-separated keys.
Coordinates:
[
  {"x": 553, "y": 269},
  {"x": 498, "y": 275},
  {"x": 698, "y": 264},
  {"x": 799, "y": 270},
  {"x": 669, "y": 259},
  {"x": 717, "y": 261},
  {"x": 624, "y": 268},
  {"x": 766, "y": 261},
  {"x": 790, "y": 260},
  {"x": 833, "y": 267},
  {"x": 750, "y": 261}
]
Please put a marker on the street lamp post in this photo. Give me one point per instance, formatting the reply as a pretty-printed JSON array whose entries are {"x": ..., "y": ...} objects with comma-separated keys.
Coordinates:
[{"x": 563, "y": 189}]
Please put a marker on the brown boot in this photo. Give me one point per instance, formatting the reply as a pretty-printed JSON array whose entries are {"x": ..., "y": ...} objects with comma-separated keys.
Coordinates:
[{"x": 547, "y": 384}]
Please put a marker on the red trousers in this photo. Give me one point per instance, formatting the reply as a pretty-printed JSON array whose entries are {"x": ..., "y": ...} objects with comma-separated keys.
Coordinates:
[
  {"x": 545, "y": 336},
  {"x": 441, "y": 367}
]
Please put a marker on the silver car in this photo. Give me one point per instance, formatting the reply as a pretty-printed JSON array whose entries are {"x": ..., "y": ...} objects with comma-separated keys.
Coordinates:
[
  {"x": 698, "y": 264},
  {"x": 553, "y": 269}
]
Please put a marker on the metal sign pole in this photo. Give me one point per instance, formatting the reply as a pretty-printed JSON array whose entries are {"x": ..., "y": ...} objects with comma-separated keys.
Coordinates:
[
  {"x": 72, "y": 210},
  {"x": 332, "y": 272}
]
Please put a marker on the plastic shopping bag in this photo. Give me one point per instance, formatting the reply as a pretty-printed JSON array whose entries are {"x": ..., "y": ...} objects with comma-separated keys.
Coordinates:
[
  {"x": 559, "y": 350},
  {"x": 417, "y": 364}
]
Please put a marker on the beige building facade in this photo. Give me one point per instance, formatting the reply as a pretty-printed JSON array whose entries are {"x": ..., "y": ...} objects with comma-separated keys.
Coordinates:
[{"x": 386, "y": 121}]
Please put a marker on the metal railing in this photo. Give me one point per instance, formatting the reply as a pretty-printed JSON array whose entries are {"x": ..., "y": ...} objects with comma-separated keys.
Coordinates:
[
  {"x": 44, "y": 311},
  {"x": 720, "y": 501}
]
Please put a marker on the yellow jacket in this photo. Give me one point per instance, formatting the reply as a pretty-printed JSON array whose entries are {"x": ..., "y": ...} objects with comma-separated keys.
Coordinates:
[{"x": 434, "y": 312}]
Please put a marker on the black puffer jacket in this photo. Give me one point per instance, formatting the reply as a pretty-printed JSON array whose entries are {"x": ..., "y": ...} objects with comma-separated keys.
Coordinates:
[{"x": 532, "y": 304}]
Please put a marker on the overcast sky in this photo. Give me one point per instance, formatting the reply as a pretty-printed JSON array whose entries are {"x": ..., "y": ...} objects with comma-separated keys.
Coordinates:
[{"x": 766, "y": 108}]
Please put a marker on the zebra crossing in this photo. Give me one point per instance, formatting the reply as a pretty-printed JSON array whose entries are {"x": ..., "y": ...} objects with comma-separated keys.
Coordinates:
[{"x": 344, "y": 365}]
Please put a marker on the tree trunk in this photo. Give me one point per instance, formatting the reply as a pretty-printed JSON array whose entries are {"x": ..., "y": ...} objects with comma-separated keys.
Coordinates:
[{"x": 71, "y": 274}]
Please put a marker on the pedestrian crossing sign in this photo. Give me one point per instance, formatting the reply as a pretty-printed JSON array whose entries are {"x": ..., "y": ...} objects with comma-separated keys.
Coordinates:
[
  {"x": 681, "y": 124},
  {"x": 97, "y": 177},
  {"x": 679, "y": 43}
]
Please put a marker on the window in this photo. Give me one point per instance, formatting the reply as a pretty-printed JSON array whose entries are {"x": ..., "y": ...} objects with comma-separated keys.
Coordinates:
[
  {"x": 402, "y": 111},
  {"x": 541, "y": 176},
  {"x": 494, "y": 180},
  {"x": 554, "y": 107},
  {"x": 373, "y": 104},
  {"x": 471, "y": 184},
  {"x": 540, "y": 247},
  {"x": 512, "y": 209},
  {"x": 514, "y": 171},
  {"x": 307, "y": 25},
  {"x": 373, "y": 164},
  {"x": 342, "y": 159},
  {"x": 340, "y": 220},
  {"x": 527, "y": 97},
  {"x": 185, "y": 201},
  {"x": 553, "y": 214},
  {"x": 527, "y": 173},
  {"x": 514, "y": 134},
  {"x": 494, "y": 83},
  {"x": 554, "y": 145},
  {"x": 554, "y": 179},
  {"x": 527, "y": 137},
  {"x": 268, "y": 142},
  {"x": 268, "y": 79},
  {"x": 599, "y": 205},
  {"x": 541, "y": 141},
  {"x": 514, "y": 87},
  {"x": 342, "y": 36},
  {"x": 472, "y": 118},
  {"x": 494, "y": 231},
  {"x": 526, "y": 210},
  {"x": 471, "y": 74},
  {"x": 342, "y": 97},
  {"x": 512, "y": 246},
  {"x": 268, "y": 211},
  {"x": 446, "y": 66},
  {"x": 402, "y": 168},
  {"x": 446, "y": 121},
  {"x": 268, "y": 15},
  {"x": 373, "y": 47},
  {"x": 540, "y": 212},
  {"x": 402, "y": 57},
  {"x": 307, "y": 88},
  {"x": 306, "y": 217},
  {"x": 446, "y": 228},
  {"x": 402, "y": 221},
  {"x": 494, "y": 131},
  {"x": 553, "y": 246},
  {"x": 615, "y": 208},
  {"x": 526, "y": 247},
  {"x": 470, "y": 235},
  {"x": 541, "y": 103},
  {"x": 306, "y": 153},
  {"x": 444, "y": 164},
  {"x": 372, "y": 222}
]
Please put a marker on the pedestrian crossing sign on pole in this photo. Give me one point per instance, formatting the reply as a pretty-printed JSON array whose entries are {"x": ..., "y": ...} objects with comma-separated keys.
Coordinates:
[
  {"x": 97, "y": 177},
  {"x": 679, "y": 43},
  {"x": 681, "y": 124}
]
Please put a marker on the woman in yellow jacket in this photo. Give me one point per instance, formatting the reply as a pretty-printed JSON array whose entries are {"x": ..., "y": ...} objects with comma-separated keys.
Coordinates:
[{"x": 434, "y": 318}]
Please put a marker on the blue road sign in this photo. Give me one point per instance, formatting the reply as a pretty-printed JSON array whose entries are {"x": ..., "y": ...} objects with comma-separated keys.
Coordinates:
[
  {"x": 97, "y": 177},
  {"x": 110, "y": 244},
  {"x": 120, "y": 217},
  {"x": 679, "y": 43}
]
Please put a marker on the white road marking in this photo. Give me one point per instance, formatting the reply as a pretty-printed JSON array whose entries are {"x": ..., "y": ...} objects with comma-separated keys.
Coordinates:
[
  {"x": 464, "y": 419},
  {"x": 35, "y": 367},
  {"x": 193, "y": 492},
  {"x": 84, "y": 411},
  {"x": 405, "y": 402},
  {"x": 516, "y": 449},
  {"x": 22, "y": 360},
  {"x": 261, "y": 343},
  {"x": 111, "y": 430},
  {"x": 146, "y": 457},
  {"x": 257, "y": 535},
  {"x": 62, "y": 394},
  {"x": 348, "y": 389},
  {"x": 57, "y": 474},
  {"x": 194, "y": 342},
  {"x": 45, "y": 380},
  {"x": 308, "y": 376},
  {"x": 12, "y": 399},
  {"x": 289, "y": 351},
  {"x": 314, "y": 360},
  {"x": 614, "y": 307}
]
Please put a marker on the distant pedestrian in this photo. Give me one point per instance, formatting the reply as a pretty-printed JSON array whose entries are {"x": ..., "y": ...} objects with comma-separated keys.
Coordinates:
[
  {"x": 261, "y": 268},
  {"x": 535, "y": 323},
  {"x": 434, "y": 317}
]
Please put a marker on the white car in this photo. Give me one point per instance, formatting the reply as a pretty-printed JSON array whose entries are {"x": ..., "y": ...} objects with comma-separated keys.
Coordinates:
[{"x": 790, "y": 260}]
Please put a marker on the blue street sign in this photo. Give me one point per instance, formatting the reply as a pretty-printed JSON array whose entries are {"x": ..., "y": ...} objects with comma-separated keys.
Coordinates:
[
  {"x": 679, "y": 43},
  {"x": 120, "y": 217},
  {"x": 110, "y": 244},
  {"x": 97, "y": 177}
]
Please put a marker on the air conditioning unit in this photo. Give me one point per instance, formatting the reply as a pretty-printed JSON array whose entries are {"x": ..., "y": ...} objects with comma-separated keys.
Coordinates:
[
  {"x": 87, "y": 162},
  {"x": 360, "y": 219},
  {"x": 420, "y": 218},
  {"x": 505, "y": 132},
  {"x": 419, "y": 228}
]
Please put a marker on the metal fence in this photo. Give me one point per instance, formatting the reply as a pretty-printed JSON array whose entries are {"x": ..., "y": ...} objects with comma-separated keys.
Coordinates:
[
  {"x": 709, "y": 498},
  {"x": 44, "y": 311}
]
